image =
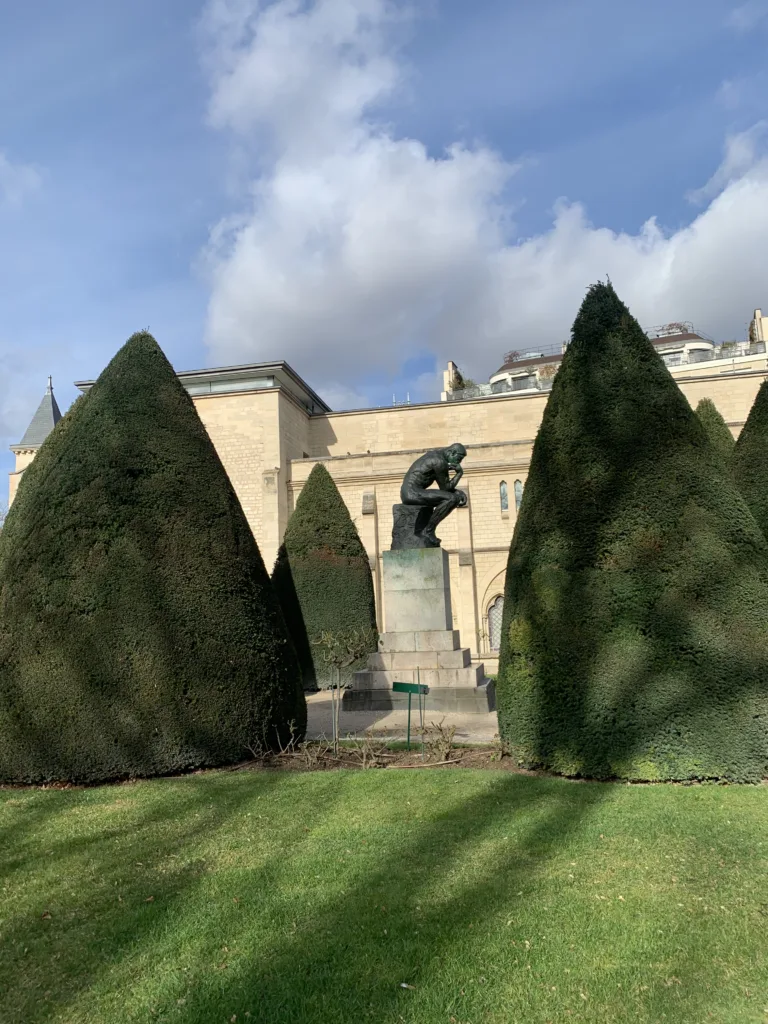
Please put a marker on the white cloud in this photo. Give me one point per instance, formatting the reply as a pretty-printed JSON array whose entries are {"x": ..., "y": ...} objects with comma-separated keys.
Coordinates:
[
  {"x": 17, "y": 181},
  {"x": 748, "y": 16},
  {"x": 742, "y": 151},
  {"x": 355, "y": 247},
  {"x": 744, "y": 93},
  {"x": 731, "y": 93},
  {"x": 304, "y": 73},
  {"x": 22, "y": 386},
  {"x": 427, "y": 386},
  {"x": 339, "y": 396}
]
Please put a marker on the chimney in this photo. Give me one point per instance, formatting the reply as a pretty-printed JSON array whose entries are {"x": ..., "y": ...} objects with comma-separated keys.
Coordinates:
[{"x": 758, "y": 327}]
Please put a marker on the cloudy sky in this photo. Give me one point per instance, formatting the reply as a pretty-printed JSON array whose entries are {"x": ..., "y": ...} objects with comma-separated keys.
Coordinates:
[{"x": 367, "y": 188}]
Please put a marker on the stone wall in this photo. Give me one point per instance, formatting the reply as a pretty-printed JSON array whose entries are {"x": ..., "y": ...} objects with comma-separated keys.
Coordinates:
[
  {"x": 268, "y": 445},
  {"x": 732, "y": 393},
  {"x": 418, "y": 427},
  {"x": 476, "y": 538},
  {"x": 244, "y": 428},
  {"x": 367, "y": 452},
  {"x": 23, "y": 459}
]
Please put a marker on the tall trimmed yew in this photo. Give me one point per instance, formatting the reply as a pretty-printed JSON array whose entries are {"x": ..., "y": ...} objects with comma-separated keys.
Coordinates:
[
  {"x": 750, "y": 459},
  {"x": 634, "y": 640},
  {"x": 716, "y": 429},
  {"x": 139, "y": 633},
  {"x": 322, "y": 578}
]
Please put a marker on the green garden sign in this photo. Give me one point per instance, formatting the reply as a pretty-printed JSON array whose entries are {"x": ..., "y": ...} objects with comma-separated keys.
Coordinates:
[{"x": 410, "y": 688}]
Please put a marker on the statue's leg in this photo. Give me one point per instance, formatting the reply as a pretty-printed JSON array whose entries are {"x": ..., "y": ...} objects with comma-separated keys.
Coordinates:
[
  {"x": 448, "y": 501},
  {"x": 443, "y": 502},
  {"x": 423, "y": 496}
]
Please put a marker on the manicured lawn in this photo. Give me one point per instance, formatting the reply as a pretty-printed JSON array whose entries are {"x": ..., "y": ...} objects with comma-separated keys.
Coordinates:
[{"x": 287, "y": 897}]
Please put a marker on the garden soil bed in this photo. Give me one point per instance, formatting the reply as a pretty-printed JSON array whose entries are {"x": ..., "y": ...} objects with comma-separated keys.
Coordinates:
[{"x": 319, "y": 757}]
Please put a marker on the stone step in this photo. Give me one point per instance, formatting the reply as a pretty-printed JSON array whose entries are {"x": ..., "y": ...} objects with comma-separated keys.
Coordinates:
[
  {"x": 420, "y": 640},
  {"x": 465, "y": 700},
  {"x": 382, "y": 679},
  {"x": 397, "y": 660}
]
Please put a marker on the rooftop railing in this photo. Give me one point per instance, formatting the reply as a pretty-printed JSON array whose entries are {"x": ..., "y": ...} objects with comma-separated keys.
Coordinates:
[
  {"x": 728, "y": 350},
  {"x": 502, "y": 387}
]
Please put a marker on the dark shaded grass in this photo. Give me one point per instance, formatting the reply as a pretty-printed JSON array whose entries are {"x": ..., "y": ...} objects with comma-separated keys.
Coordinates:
[{"x": 348, "y": 884}]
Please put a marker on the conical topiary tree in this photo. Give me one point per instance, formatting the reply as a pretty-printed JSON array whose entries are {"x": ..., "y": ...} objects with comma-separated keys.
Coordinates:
[
  {"x": 750, "y": 459},
  {"x": 323, "y": 579},
  {"x": 717, "y": 431},
  {"x": 139, "y": 632},
  {"x": 634, "y": 640}
]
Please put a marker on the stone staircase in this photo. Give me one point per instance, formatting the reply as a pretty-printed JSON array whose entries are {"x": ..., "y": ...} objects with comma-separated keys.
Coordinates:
[
  {"x": 433, "y": 657},
  {"x": 419, "y": 646}
]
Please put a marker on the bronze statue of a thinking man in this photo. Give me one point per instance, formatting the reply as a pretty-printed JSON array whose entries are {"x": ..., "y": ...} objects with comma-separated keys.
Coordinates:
[{"x": 435, "y": 467}]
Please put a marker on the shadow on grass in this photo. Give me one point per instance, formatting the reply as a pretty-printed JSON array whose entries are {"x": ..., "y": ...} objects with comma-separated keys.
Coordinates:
[
  {"x": 337, "y": 964},
  {"x": 343, "y": 967},
  {"x": 298, "y": 977},
  {"x": 199, "y": 811}
]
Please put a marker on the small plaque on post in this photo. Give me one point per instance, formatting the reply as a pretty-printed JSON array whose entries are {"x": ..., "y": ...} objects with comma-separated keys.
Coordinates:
[
  {"x": 421, "y": 690},
  {"x": 410, "y": 688}
]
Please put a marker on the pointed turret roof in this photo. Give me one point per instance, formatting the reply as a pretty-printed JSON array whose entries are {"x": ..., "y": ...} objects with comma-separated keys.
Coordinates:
[{"x": 45, "y": 419}]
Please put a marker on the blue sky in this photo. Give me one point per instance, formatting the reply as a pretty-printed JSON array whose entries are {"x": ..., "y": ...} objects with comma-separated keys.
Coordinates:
[{"x": 263, "y": 181}]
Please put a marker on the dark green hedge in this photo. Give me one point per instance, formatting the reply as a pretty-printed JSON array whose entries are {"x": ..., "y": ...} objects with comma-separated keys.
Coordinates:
[
  {"x": 323, "y": 578},
  {"x": 634, "y": 639},
  {"x": 139, "y": 632},
  {"x": 717, "y": 431},
  {"x": 750, "y": 459}
]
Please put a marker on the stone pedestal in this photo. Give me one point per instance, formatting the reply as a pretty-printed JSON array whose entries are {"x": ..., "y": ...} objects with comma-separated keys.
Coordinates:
[
  {"x": 420, "y": 644},
  {"x": 416, "y": 585}
]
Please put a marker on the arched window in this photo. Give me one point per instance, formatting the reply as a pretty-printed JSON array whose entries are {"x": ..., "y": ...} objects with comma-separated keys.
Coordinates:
[
  {"x": 494, "y": 622},
  {"x": 504, "y": 496},
  {"x": 518, "y": 494}
]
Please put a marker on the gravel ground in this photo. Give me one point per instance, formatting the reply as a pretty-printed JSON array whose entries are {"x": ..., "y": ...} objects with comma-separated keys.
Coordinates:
[{"x": 470, "y": 728}]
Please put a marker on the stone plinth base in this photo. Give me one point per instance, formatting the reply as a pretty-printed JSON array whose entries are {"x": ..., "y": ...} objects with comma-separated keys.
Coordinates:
[
  {"x": 416, "y": 587},
  {"x": 432, "y": 657},
  {"x": 420, "y": 640},
  {"x": 477, "y": 700},
  {"x": 420, "y": 645}
]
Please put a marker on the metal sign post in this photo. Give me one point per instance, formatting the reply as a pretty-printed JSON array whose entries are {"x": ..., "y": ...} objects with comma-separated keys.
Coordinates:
[
  {"x": 410, "y": 689},
  {"x": 421, "y": 713}
]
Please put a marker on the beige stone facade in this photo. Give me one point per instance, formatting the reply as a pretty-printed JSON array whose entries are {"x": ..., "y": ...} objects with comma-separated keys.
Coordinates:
[
  {"x": 23, "y": 459},
  {"x": 368, "y": 452},
  {"x": 270, "y": 429}
]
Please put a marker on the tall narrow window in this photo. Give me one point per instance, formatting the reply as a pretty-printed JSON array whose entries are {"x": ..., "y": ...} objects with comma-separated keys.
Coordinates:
[
  {"x": 518, "y": 494},
  {"x": 504, "y": 496},
  {"x": 494, "y": 622}
]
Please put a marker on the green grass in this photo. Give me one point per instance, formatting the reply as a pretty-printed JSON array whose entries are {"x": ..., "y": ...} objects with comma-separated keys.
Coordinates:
[{"x": 287, "y": 897}]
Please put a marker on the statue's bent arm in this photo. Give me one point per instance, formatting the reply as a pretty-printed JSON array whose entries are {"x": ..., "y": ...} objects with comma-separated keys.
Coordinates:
[
  {"x": 441, "y": 475},
  {"x": 455, "y": 479}
]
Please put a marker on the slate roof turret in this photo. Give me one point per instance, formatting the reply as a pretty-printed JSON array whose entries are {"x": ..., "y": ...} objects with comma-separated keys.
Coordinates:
[{"x": 45, "y": 419}]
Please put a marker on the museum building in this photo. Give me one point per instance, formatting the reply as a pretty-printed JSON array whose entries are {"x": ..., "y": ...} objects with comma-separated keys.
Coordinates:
[{"x": 270, "y": 428}]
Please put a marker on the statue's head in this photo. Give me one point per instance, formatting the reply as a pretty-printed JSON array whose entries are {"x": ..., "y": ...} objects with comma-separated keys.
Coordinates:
[{"x": 454, "y": 454}]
